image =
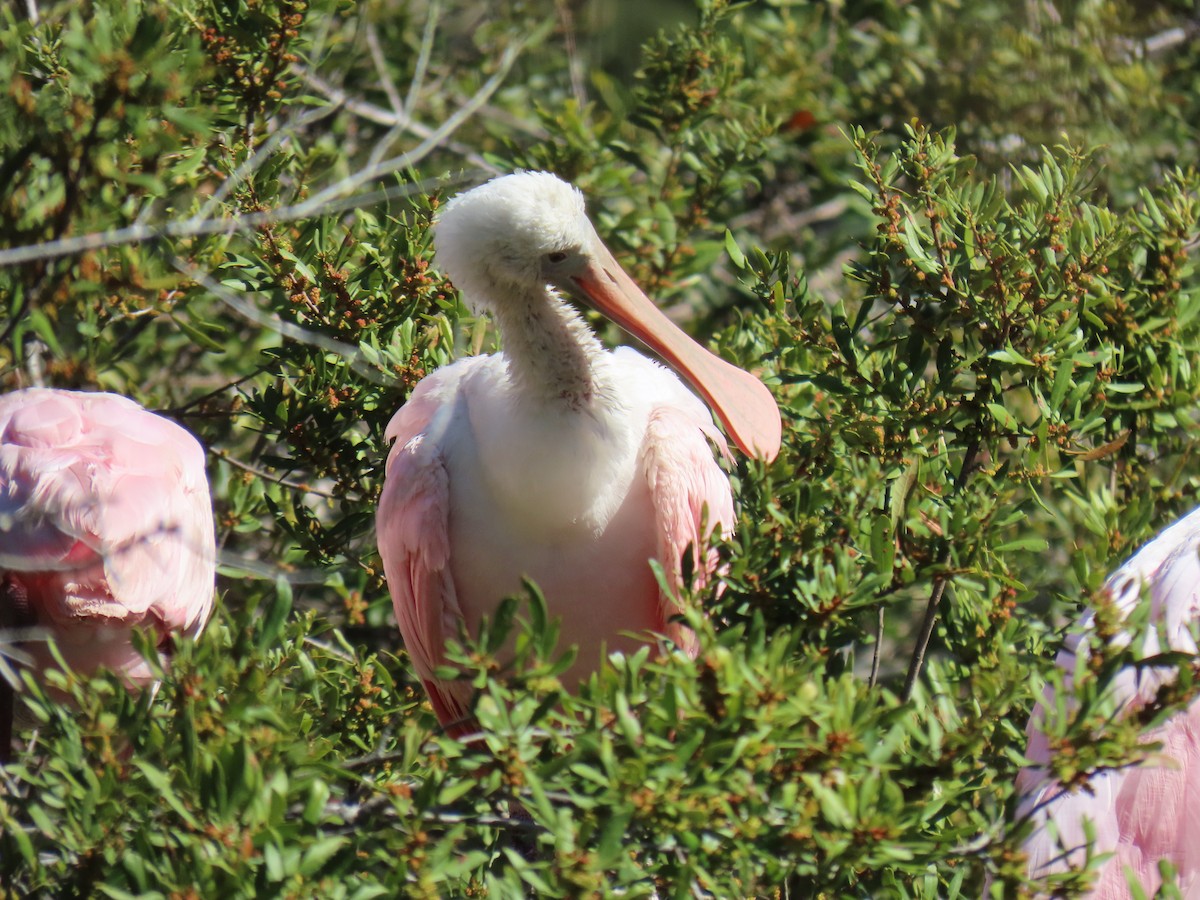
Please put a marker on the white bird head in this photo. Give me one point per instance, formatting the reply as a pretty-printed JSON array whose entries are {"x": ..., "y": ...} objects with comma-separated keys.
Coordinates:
[
  {"x": 512, "y": 235},
  {"x": 516, "y": 234}
]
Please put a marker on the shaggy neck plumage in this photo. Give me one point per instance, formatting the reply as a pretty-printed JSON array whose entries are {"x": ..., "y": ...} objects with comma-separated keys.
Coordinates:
[{"x": 550, "y": 350}]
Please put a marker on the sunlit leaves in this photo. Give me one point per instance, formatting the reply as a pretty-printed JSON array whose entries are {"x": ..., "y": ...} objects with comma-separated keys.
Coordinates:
[{"x": 985, "y": 352}]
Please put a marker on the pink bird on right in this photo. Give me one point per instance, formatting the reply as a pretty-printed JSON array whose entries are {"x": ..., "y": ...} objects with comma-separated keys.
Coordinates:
[
  {"x": 106, "y": 527},
  {"x": 1146, "y": 813}
]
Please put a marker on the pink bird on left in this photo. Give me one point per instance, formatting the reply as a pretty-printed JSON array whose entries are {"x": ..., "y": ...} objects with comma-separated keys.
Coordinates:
[
  {"x": 1143, "y": 814},
  {"x": 105, "y": 528}
]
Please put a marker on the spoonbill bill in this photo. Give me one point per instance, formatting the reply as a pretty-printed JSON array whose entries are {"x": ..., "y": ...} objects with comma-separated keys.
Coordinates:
[
  {"x": 105, "y": 528},
  {"x": 1149, "y": 812},
  {"x": 555, "y": 460}
]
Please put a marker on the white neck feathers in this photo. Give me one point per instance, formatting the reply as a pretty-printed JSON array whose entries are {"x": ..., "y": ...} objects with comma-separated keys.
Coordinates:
[{"x": 551, "y": 352}]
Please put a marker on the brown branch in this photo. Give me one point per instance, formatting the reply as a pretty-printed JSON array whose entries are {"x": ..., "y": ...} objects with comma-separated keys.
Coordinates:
[
  {"x": 875, "y": 654},
  {"x": 939, "y": 586},
  {"x": 281, "y": 481},
  {"x": 177, "y": 412},
  {"x": 927, "y": 623}
]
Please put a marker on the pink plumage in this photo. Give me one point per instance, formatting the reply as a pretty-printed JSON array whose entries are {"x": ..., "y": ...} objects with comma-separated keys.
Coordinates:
[
  {"x": 452, "y": 549},
  {"x": 555, "y": 460},
  {"x": 1147, "y": 813},
  {"x": 105, "y": 527}
]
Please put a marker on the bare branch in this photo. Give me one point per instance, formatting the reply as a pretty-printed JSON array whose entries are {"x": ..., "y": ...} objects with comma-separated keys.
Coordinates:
[
  {"x": 414, "y": 87},
  {"x": 434, "y": 140},
  {"x": 279, "y": 480},
  {"x": 385, "y": 78},
  {"x": 335, "y": 198},
  {"x": 927, "y": 623},
  {"x": 326, "y": 647},
  {"x": 575, "y": 67},
  {"x": 362, "y": 108},
  {"x": 182, "y": 411},
  {"x": 198, "y": 226},
  {"x": 970, "y": 460},
  {"x": 231, "y": 565},
  {"x": 878, "y": 646},
  {"x": 253, "y": 163},
  {"x": 271, "y": 321}
]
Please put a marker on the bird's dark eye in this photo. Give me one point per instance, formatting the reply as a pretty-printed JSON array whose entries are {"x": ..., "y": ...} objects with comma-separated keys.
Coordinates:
[{"x": 556, "y": 257}]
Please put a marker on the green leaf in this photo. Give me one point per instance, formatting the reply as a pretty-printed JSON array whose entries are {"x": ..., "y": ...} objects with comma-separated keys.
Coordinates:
[
  {"x": 319, "y": 853},
  {"x": 735, "y": 254},
  {"x": 197, "y": 334},
  {"x": 1003, "y": 417},
  {"x": 883, "y": 545},
  {"x": 277, "y": 613},
  {"x": 1009, "y": 355},
  {"x": 165, "y": 789}
]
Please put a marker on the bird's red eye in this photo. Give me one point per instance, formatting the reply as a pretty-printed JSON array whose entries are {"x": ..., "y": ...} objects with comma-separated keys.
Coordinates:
[{"x": 556, "y": 257}]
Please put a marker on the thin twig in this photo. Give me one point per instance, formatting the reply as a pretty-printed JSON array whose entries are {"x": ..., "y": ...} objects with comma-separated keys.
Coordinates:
[
  {"x": 575, "y": 67},
  {"x": 374, "y": 758},
  {"x": 255, "y": 161},
  {"x": 403, "y": 121},
  {"x": 273, "y": 571},
  {"x": 197, "y": 226},
  {"x": 176, "y": 412},
  {"x": 434, "y": 140},
  {"x": 402, "y": 108},
  {"x": 281, "y": 481},
  {"x": 333, "y": 651},
  {"x": 361, "y": 108},
  {"x": 423, "y": 57},
  {"x": 338, "y": 196},
  {"x": 350, "y": 813},
  {"x": 385, "y": 78},
  {"x": 939, "y": 585},
  {"x": 34, "y": 348},
  {"x": 395, "y": 121},
  {"x": 875, "y": 655},
  {"x": 376, "y": 755},
  {"x": 1167, "y": 40},
  {"x": 927, "y": 623},
  {"x": 273, "y": 322}
]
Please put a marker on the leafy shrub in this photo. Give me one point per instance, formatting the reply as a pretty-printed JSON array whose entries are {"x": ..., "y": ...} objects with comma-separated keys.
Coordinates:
[{"x": 956, "y": 243}]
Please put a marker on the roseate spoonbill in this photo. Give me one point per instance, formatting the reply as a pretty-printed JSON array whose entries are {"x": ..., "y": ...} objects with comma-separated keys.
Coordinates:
[
  {"x": 555, "y": 459},
  {"x": 105, "y": 527},
  {"x": 1149, "y": 812}
]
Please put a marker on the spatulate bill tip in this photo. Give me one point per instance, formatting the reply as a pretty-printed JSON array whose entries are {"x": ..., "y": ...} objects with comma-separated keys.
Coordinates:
[{"x": 760, "y": 442}]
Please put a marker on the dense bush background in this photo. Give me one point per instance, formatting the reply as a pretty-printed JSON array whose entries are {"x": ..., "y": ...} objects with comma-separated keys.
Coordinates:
[{"x": 955, "y": 239}]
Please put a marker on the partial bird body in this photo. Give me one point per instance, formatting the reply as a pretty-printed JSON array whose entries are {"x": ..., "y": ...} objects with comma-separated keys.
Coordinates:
[
  {"x": 105, "y": 527},
  {"x": 1149, "y": 812},
  {"x": 579, "y": 495},
  {"x": 555, "y": 460}
]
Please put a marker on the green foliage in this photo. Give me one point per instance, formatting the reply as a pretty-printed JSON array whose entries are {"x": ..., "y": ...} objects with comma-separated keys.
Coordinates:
[{"x": 956, "y": 240}]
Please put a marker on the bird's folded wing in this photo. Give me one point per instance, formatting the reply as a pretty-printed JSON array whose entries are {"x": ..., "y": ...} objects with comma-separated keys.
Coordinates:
[
  {"x": 413, "y": 534},
  {"x": 691, "y": 496},
  {"x": 112, "y": 500}
]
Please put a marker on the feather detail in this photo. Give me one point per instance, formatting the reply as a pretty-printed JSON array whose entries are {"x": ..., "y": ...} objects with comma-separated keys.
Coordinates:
[
  {"x": 1146, "y": 813},
  {"x": 106, "y": 523}
]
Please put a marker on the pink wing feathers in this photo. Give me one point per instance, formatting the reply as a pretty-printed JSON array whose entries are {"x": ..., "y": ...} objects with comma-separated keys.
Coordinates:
[
  {"x": 1150, "y": 812},
  {"x": 691, "y": 496},
  {"x": 689, "y": 492},
  {"x": 106, "y": 523},
  {"x": 412, "y": 529}
]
